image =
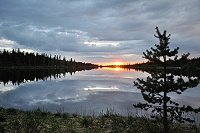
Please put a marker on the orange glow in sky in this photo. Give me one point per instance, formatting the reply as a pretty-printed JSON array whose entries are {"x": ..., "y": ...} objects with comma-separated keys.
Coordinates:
[{"x": 118, "y": 63}]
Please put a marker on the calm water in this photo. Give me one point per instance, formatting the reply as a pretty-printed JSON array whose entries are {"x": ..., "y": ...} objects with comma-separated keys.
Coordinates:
[{"x": 87, "y": 92}]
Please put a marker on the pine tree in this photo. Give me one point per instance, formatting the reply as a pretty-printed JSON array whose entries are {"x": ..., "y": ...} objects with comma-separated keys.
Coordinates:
[{"x": 155, "y": 88}]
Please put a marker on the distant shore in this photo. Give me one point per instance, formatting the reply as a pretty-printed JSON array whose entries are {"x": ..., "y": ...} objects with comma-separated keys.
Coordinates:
[{"x": 44, "y": 67}]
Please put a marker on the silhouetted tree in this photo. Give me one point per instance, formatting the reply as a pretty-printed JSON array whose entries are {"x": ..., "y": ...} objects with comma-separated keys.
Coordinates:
[{"x": 156, "y": 87}]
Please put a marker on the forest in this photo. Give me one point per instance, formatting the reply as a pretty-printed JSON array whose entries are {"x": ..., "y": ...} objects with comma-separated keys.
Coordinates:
[
  {"x": 33, "y": 66},
  {"x": 178, "y": 63},
  {"x": 20, "y": 58}
]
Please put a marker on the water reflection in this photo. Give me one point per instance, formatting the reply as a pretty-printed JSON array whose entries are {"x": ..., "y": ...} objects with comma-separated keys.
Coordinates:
[
  {"x": 18, "y": 76},
  {"x": 117, "y": 69},
  {"x": 85, "y": 92},
  {"x": 101, "y": 88}
]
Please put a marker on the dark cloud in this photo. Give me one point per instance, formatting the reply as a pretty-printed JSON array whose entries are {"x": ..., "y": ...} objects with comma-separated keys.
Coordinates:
[{"x": 64, "y": 25}]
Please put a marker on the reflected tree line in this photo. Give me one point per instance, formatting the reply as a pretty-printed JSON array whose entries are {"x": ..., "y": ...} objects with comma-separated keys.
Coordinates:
[
  {"x": 18, "y": 76},
  {"x": 17, "y": 67}
]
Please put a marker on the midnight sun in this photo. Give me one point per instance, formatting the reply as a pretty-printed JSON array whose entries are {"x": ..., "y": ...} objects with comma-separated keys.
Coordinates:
[{"x": 117, "y": 63}]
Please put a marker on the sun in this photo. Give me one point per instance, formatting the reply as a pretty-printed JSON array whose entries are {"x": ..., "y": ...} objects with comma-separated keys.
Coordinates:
[{"x": 117, "y": 63}]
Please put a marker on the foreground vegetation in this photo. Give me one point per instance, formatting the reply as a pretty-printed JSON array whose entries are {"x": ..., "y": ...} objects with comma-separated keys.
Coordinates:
[{"x": 15, "y": 121}]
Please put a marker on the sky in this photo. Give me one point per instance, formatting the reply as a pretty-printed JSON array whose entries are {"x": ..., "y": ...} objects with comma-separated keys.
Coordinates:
[{"x": 98, "y": 31}]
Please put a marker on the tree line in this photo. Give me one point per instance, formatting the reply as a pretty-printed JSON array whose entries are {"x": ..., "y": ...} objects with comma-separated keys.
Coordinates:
[
  {"x": 183, "y": 62},
  {"x": 16, "y": 57}
]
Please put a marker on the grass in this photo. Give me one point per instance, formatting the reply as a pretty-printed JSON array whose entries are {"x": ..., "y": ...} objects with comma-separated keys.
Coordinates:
[{"x": 35, "y": 121}]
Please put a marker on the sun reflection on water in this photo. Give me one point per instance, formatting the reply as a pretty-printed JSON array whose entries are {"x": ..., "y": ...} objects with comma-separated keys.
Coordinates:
[
  {"x": 113, "y": 68},
  {"x": 117, "y": 69}
]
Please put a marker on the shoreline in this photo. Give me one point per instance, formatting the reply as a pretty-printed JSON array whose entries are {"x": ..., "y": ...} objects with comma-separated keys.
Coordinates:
[{"x": 14, "y": 120}]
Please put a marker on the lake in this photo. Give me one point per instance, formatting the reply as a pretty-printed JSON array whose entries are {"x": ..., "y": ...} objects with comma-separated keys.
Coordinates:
[{"x": 89, "y": 92}]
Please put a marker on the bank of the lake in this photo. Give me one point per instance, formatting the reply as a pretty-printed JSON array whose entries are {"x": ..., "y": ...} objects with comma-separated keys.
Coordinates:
[{"x": 13, "y": 120}]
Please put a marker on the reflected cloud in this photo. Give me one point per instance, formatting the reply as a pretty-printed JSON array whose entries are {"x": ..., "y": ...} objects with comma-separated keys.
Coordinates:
[
  {"x": 87, "y": 90},
  {"x": 101, "y": 88},
  {"x": 8, "y": 87}
]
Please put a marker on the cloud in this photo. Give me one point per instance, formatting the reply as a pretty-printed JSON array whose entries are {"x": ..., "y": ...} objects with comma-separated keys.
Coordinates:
[
  {"x": 60, "y": 39},
  {"x": 65, "y": 25}
]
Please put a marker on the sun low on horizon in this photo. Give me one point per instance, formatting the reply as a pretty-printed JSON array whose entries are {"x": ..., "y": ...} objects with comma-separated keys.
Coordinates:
[{"x": 116, "y": 63}]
